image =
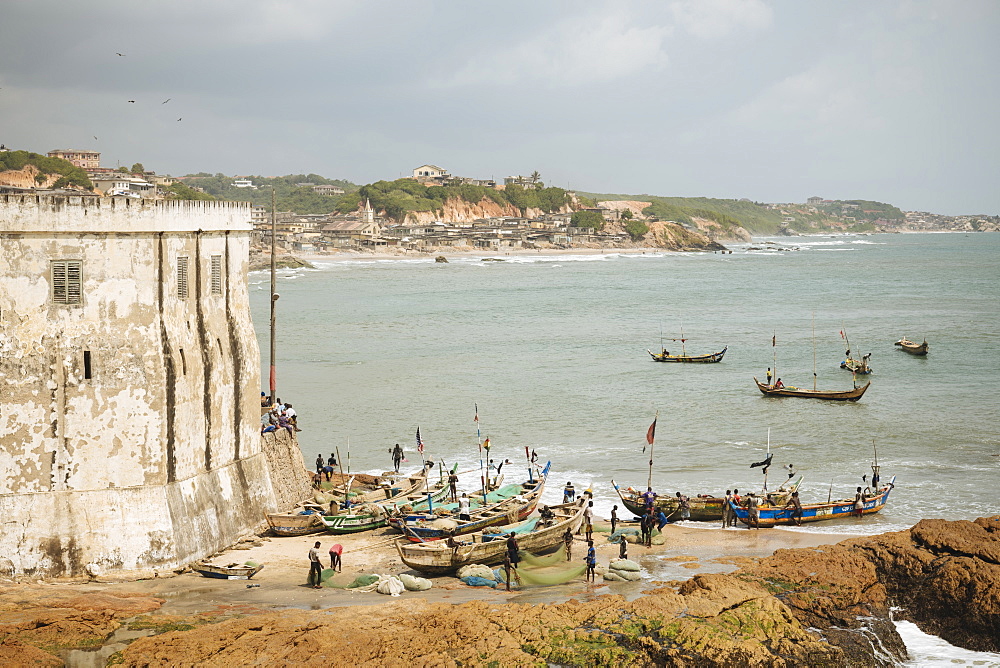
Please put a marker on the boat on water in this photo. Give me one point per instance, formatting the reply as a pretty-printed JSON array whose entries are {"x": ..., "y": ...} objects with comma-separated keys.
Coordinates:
[
  {"x": 665, "y": 356},
  {"x": 488, "y": 546},
  {"x": 703, "y": 507},
  {"x": 913, "y": 348},
  {"x": 709, "y": 358},
  {"x": 419, "y": 497},
  {"x": 507, "y": 504},
  {"x": 831, "y": 395},
  {"x": 230, "y": 572},
  {"x": 778, "y": 389},
  {"x": 858, "y": 365},
  {"x": 772, "y": 515}
]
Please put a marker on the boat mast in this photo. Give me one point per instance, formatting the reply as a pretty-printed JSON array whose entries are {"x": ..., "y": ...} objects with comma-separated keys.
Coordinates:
[
  {"x": 683, "y": 350},
  {"x": 814, "y": 350},
  {"x": 765, "y": 459},
  {"x": 774, "y": 354},
  {"x": 274, "y": 297},
  {"x": 479, "y": 439}
]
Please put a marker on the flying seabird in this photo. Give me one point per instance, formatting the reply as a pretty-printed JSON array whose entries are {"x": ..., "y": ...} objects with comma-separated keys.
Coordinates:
[{"x": 167, "y": 100}]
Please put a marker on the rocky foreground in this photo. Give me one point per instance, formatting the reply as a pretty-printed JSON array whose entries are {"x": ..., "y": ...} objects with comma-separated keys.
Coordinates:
[{"x": 821, "y": 606}]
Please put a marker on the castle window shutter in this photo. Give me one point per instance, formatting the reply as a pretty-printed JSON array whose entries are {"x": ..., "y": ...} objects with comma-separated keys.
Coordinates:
[
  {"x": 66, "y": 282},
  {"x": 216, "y": 274},
  {"x": 182, "y": 277}
]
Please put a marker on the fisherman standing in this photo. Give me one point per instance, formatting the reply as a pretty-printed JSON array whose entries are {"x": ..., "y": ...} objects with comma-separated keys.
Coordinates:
[
  {"x": 315, "y": 567},
  {"x": 397, "y": 456},
  {"x": 569, "y": 494},
  {"x": 568, "y": 540},
  {"x": 753, "y": 512},
  {"x": 453, "y": 486}
]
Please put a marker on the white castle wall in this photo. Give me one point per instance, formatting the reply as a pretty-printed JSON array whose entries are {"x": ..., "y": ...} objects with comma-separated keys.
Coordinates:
[{"x": 155, "y": 460}]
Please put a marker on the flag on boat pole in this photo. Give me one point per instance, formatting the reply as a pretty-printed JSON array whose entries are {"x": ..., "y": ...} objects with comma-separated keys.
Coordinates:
[
  {"x": 420, "y": 442},
  {"x": 650, "y": 434}
]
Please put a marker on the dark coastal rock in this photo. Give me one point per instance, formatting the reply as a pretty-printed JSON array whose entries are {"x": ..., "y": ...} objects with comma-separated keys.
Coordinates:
[{"x": 442, "y": 259}]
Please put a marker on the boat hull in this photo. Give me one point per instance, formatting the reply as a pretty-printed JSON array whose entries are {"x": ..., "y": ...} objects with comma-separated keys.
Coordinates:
[
  {"x": 846, "y": 395},
  {"x": 228, "y": 572},
  {"x": 918, "y": 349},
  {"x": 507, "y": 511},
  {"x": 710, "y": 358},
  {"x": 703, "y": 508},
  {"x": 293, "y": 524},
  {"x": 437, "y": 558},
  {"x": 358, "y": 522},
  {"x": 771, "y": 516}
]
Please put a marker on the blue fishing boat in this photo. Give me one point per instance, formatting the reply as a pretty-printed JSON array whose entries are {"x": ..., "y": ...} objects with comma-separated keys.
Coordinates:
[{"x": 771, "y": 516}]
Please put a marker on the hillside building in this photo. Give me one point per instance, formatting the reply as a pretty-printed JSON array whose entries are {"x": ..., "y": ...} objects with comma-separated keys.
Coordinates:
[{"x": 84, "y": 159}]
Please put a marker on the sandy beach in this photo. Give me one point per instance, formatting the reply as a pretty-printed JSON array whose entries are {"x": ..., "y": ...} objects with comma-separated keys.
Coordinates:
[{"x": 688, "y": 549}]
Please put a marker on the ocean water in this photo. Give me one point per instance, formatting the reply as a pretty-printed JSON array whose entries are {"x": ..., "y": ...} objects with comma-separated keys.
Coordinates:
[{"x": 552, "y": 349}]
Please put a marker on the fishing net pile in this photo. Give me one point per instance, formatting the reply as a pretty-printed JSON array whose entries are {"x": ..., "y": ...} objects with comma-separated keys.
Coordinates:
[
  {"x": 622, "y": 570},
  {"x": 391, "y": 585},
  {"x": 533, "y": 571},
  {"x": 631, "y": 535}
]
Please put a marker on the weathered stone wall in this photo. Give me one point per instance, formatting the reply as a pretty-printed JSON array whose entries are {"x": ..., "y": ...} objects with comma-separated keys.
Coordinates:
[
  {"x": 290, "y": 480},
  {"x": 128, "y": 427}
]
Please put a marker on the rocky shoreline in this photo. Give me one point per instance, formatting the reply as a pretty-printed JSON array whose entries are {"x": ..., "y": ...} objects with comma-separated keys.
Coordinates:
[{"x": 828, "y": 605}]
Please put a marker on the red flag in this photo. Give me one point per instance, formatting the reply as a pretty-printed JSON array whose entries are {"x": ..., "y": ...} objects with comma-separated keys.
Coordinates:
[
  {"x": 842, "y": 334},
  {"x": 774, "y": 340},
  {"x": 651, "y": 432},
  {"x": 476, "y": 419}
]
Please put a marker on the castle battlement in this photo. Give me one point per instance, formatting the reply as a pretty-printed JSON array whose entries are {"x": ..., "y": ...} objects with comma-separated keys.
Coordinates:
[{"x": 84, "y": 214}]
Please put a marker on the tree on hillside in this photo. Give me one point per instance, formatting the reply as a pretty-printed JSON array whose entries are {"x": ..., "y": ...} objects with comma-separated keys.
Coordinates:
[
  {"x": 636, "y": 229},
  {"x": 590, "y": 219},
  {"x": 535, "y": 177},
  {"x": 627, "y": 214},
  {"x": 137, "y": 168}
]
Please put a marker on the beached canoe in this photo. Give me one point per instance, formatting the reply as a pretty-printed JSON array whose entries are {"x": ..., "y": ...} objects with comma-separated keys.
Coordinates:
[
  {"x": 306, "y": 519},
  {"x": 829, "y": 395},
  {"x": 506, "y": 505},
  {"x": 489, "y": 546},
  {"x": 375, "y": 515},
  {"x": 777, "y": 515},
  {"x": 704, "y": 507},
  {"x": 913, "y": 348},
  {"x": 708, "y": 358},
  {"x": 231, "y": 572}
]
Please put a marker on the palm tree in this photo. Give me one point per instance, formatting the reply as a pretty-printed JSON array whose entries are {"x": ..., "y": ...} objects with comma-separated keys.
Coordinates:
[{"x": 535, "y": 176}]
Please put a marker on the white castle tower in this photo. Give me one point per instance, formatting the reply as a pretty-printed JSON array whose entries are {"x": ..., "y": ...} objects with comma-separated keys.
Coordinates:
[
  {"x": 130, "y": 377},
  {"x": 367, "y": 214}
]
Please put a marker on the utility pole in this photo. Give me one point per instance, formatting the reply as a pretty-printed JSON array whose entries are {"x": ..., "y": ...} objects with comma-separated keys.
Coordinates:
[{"x": 274, "y": 295}]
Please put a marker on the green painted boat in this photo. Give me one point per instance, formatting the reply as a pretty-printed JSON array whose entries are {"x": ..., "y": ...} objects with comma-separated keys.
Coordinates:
[{"x": 375, "y": 515}]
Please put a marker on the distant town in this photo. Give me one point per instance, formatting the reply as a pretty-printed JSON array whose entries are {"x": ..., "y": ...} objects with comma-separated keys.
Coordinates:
[{"x": 521, "y": 213}]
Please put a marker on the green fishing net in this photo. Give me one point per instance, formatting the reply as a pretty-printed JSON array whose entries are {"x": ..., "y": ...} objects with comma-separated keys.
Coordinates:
[{"x": 550, "y": 569}]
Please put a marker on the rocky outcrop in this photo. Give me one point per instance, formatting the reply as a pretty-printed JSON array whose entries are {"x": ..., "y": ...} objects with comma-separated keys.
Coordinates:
[
  {"x": 943, "y": 575},
  {"x": 623, "y": 205},
  {"x": 460, "y": 211},
  {"x": 715, "y": 231},
  {"x": 26, "y": 178},
  {"x": 672, "y": 236},
  {"x": 289, "y": 478}
]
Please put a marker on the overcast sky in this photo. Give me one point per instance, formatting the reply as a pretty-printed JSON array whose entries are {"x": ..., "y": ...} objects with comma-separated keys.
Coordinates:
[{"x": 775, "y": 101}]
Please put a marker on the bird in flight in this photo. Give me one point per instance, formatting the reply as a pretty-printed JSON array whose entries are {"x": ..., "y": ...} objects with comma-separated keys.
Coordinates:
[
  {"x": 180, "y": 119},
  {"x": 131, "y": 101},
  {"x": 167, "y": 100},
  {"x": 95, "y": 137},
  {"x": 119, "y": 54}
]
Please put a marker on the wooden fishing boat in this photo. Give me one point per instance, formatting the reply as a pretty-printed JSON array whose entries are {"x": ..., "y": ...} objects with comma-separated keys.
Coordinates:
[
  {"x": 708, "y": 358},
  {"x": 375, "y": 515},
  {"x": 790, "y": 391},
  {"x": 307, "y": 520},
  {"x": 230, "y": 572},
  {"x": 295, "y": 524},
  {"x": 858, "y": 366},
  {"x": 704, "y": 507},
  {"x": 913, "y": 348},
  {"x": 508, "y": 504},
  {"x": 489, "y": 546},
  {"x": 777, "y": 515}
]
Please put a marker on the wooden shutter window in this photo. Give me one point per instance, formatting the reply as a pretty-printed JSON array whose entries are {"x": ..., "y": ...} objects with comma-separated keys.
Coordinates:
[
  {"x": 66, "y": 282},
  {"x": 182, "y": 277},
  {"x": 216, "y": 274}
]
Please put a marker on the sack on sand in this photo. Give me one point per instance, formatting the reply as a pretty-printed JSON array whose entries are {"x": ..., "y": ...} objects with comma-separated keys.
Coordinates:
[
  {"x": 612, "y": 576},
  {"x": 413, "y": 583},
  {"x": 476, "y": 581},
  {"x": 363, "y": 581},
  {"x": 657, "y": 540},
  {"x": 623, "y": 565},
  {"x": 388, "y": 584},
  {"x": 631, "y": 538},
  {"x": 475, "y": 570}
]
